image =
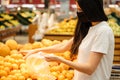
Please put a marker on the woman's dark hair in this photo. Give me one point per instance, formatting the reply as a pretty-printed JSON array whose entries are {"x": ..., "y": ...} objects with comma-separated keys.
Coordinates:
[{"x": 80, "y": 32}]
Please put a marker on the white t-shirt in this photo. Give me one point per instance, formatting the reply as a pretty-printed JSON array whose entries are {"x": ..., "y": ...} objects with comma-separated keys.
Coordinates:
[{"x": 100, "y": 38}]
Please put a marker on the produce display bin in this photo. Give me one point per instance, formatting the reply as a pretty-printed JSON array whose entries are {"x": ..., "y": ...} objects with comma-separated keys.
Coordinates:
[
  {"x": 58, "y": 36},
  {"x": 115, "y": 75},
  {"x": 117, "y": 50},
  {"x": 9, "y": 32}
]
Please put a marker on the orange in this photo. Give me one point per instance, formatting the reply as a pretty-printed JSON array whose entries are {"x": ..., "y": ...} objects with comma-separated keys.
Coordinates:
[
  {"x": 25, "y": 73},
  {"x": 1, "y": 67},
  {"x": 10, "y": 77},
  {"x": 69, "y": 76},
  {"x": 1, "y": 62},
  {"x": 13, "y": 72},
  {"x": 27, "y": 46},
  {"x": 7, "y": 58},
  {"x": 17, "y": 56},
  {"x": 15, "y": 66},
  {"x": 4, "y": 50},
  {"x": 20, "y": 61},
  {"x": 64, "y": 72},
  {"x": 37, "y": 45},
  {"x": 14, "y": 77},
  {"x": 7, "y": 64},
  {"x": 64, "y": 66},
  {"x": 11, "y": 60},
  {"x": 56, "y": 42},
  {"x": 21, "y": 77},
  {"x": 53, "y": 64},
  {"x": 46, "y": 42},
  {"x": 7, "y": 69},
  {"x": 71, "y": 72},
  {"x": 12, "y": 44},
  {"x": 67, "y": 79},
  {"x": 1, "y": 57},
  {"x": 3, "y": 73},
  {"x": 1, "y": 44},
  {"x": 14, "y": 52},
  {"x": 66, "y": 55},
  {"x": 54, "y": 68},
  {"x": 55, "y": 74},
  {"x": 61, "y": 77},
  {"x": 3, "y": 78}
]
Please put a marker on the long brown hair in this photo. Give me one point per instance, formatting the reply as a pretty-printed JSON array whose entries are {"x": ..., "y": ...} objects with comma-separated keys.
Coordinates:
[{"x": 79, "y": 34}]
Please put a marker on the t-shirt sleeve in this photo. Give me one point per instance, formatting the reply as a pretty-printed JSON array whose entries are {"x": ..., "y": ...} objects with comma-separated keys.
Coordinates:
[{"x": 101, "y": 42}]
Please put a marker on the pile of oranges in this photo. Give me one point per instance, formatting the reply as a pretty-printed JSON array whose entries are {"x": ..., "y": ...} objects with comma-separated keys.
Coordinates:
[{"x": 13, "y": 66}]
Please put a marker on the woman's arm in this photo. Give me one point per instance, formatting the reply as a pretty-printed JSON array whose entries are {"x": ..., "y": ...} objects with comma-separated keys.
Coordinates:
[
  {"x": 89, "y": 67},
  {"x": 62, "y": 47}
]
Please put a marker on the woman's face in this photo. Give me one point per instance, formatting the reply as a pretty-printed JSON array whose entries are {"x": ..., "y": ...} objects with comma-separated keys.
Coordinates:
[{"x": 78, "y": 7}]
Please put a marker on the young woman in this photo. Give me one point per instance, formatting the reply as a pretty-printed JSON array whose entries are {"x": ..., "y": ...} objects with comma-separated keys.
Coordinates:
[{"x": 93, "y": 41}]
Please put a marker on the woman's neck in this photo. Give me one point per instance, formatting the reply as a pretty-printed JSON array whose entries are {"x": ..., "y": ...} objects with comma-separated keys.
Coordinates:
[{"x": 95, "y": 23}]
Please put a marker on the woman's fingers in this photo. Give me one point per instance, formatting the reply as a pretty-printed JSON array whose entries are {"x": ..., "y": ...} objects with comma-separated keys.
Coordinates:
[
  {"x": 28, "y": 54},
  {"x": 51, "y": 57}
]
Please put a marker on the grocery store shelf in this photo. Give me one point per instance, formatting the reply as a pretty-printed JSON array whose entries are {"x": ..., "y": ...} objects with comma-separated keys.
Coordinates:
[
  {"x": 9, "y": 32},
  {"x": 117, "y": 50}
]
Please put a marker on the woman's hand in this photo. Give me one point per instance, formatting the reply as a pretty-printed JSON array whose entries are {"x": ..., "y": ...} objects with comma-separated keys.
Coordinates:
[
  {"x": 27, "y": 53},
  {"x": 52, "y": 57}
]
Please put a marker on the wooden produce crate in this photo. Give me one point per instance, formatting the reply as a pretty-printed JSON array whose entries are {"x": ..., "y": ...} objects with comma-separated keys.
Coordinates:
[
  {"x": 9, "y": 32},
  {"x": 58, "y": 36},
  {"x": 117, "y": 50}
]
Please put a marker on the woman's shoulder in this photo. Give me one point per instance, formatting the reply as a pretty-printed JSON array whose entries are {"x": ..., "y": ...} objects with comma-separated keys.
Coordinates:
[{"x": 104, "y": 26}]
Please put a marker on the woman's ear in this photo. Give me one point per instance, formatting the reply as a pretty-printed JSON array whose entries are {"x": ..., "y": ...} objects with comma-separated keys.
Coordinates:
[{"x": 78, "y": 7}]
